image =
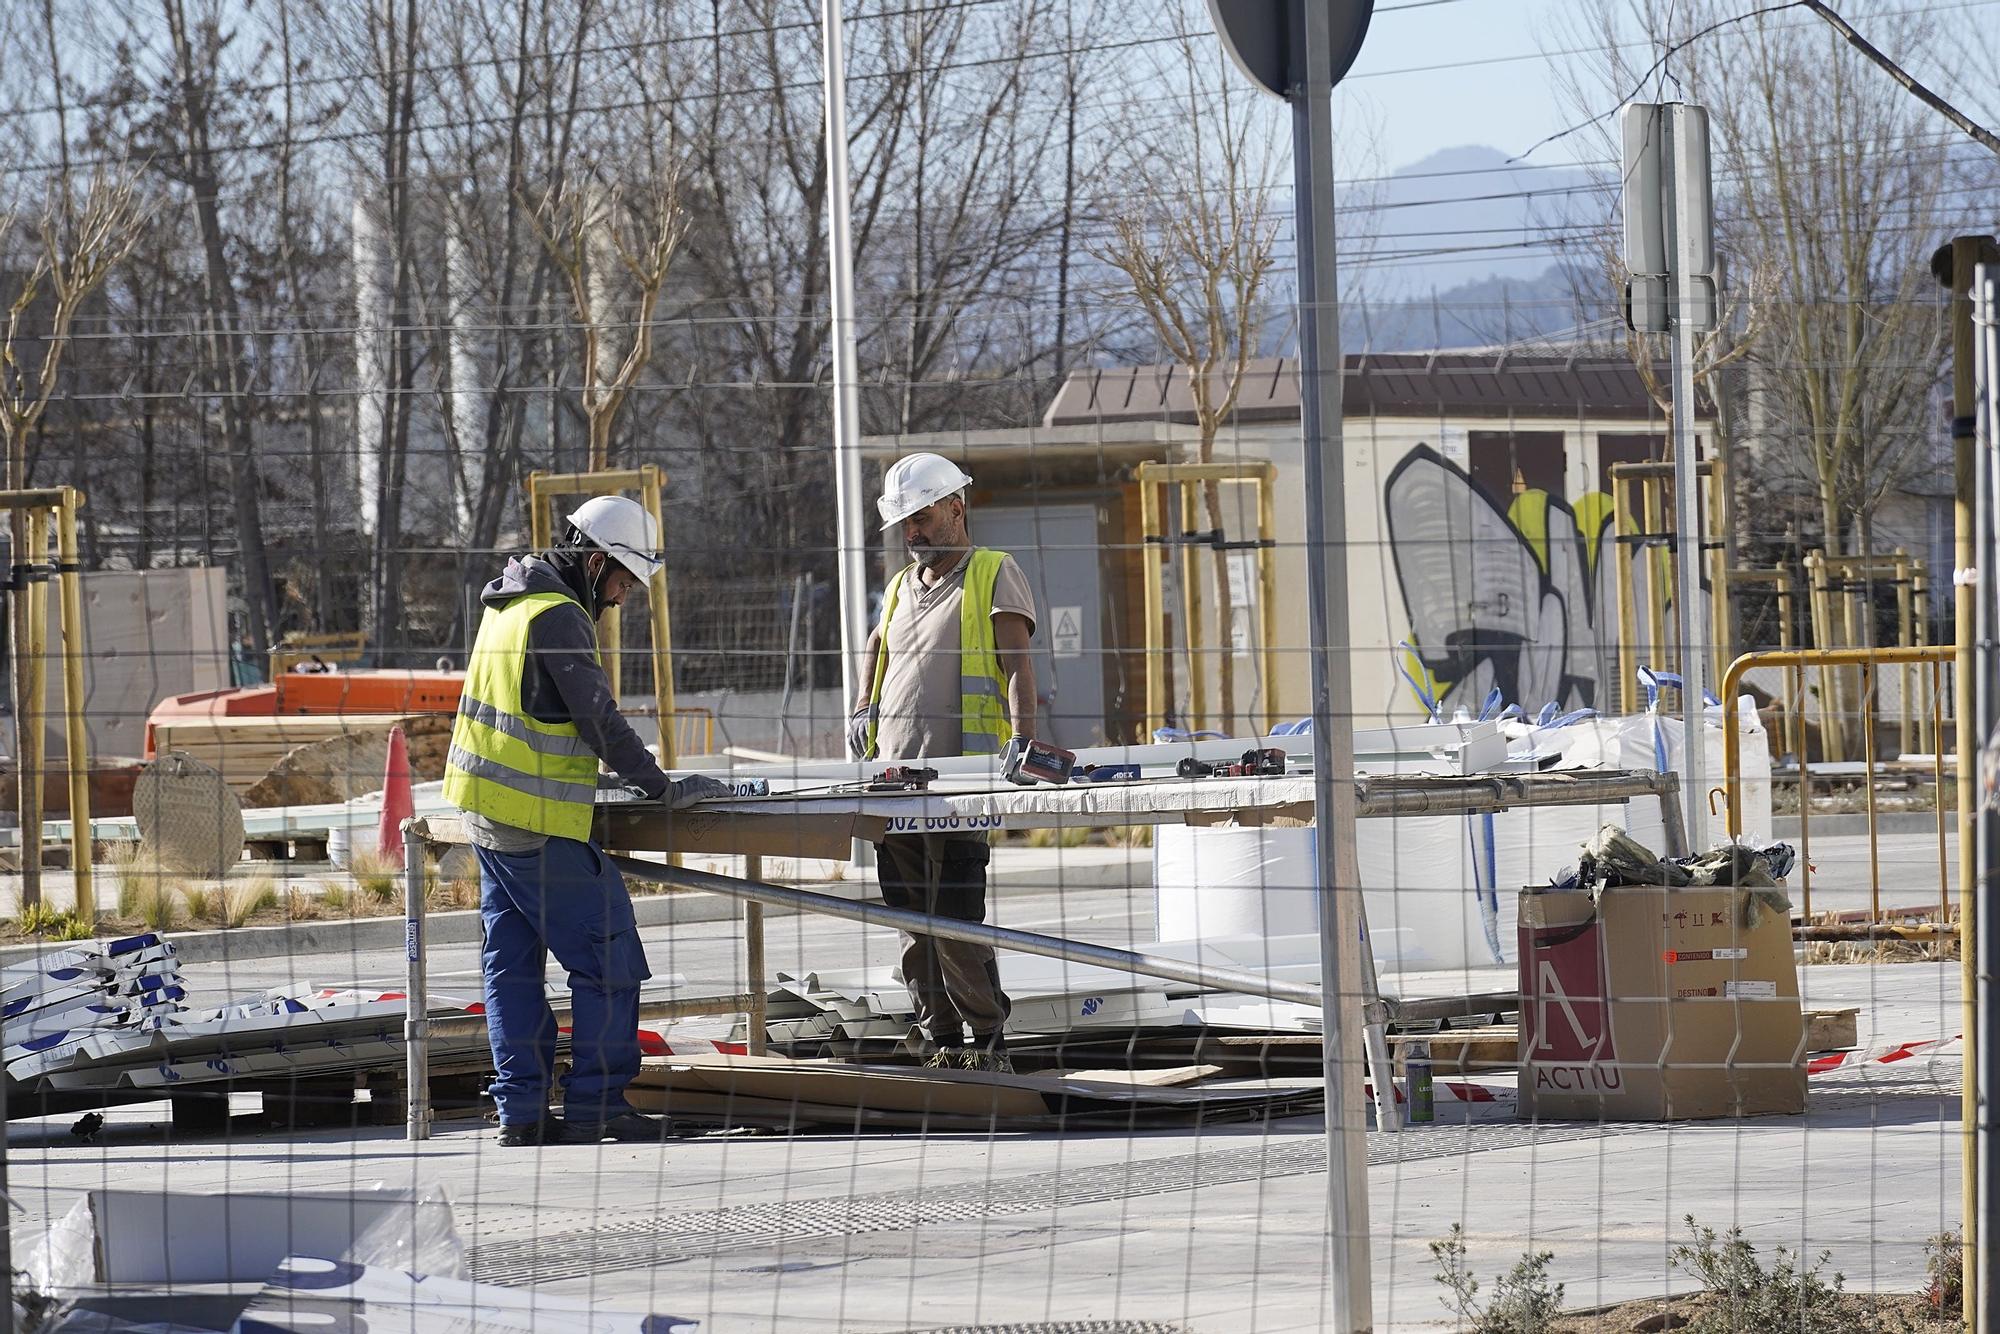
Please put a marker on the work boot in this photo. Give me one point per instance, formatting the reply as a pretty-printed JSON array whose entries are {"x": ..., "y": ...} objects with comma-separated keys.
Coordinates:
[
  {"x": 533, "y": 1134},
  {"x": 990, "y": 1060},
  {"x": 945, "y": 1058},
  {"x": 627, "y": 1126}
]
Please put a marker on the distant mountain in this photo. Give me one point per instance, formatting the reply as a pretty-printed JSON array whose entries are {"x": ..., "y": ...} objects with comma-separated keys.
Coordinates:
[
  {"x": 1465, "y": 249},
  {"x": 1469, "y": 212},
  {"x": 1484, "y": 312}
]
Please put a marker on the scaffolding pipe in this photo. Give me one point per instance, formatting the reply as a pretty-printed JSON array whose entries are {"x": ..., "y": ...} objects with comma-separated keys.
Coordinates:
[
  {"x": 975, "y": 933},
  {"x": 850, "y": 573}
]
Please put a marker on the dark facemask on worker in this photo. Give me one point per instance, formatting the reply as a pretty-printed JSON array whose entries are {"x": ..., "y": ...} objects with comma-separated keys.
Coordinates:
[{"x": 585, "y": 569}]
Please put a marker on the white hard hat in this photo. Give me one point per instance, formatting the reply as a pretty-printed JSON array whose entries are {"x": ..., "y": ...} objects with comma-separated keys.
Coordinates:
[
  {"x": 621, "y": 527},
  {"x": 916, "y": 481}
]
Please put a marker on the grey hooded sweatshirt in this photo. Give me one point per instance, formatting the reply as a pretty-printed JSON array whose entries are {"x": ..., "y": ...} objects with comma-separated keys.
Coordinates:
[{"x": 562, "y": 682}]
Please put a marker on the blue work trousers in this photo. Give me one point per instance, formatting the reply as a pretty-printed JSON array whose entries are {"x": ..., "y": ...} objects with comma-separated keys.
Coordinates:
[{"x": 569, "y": 901}]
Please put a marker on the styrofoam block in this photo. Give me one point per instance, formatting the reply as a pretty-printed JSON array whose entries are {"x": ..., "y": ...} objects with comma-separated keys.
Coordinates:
[{"x": 309, "y": 1295}]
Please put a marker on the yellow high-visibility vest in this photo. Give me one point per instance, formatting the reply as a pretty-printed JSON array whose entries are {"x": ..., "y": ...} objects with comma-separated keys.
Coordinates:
[
  {"x": 982, "y": 702},
  {"x": 503, "y": 764}
]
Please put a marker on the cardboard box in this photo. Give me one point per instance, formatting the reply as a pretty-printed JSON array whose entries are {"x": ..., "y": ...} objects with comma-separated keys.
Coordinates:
[{"x": 1657, "y": 1004}]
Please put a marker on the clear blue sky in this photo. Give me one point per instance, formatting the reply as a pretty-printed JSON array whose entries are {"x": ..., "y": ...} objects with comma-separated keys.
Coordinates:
[{"x": 1505, "y": 103}]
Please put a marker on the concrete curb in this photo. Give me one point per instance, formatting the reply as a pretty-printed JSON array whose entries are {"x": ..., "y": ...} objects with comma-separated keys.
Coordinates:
[{"x": 1848, "y": 823}]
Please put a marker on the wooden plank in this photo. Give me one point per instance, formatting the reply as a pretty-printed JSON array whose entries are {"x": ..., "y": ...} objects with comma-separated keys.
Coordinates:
[
  {"x": 1832, "y": 1030},
  {"x": 1176, "y": 1077},
  {"x": 243, "y": 749},
  {"x": 1460, "y": 1050}
]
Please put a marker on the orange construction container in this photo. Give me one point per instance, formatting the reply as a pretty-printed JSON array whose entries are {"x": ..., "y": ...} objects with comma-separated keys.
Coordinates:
[{"x": 326, "y": 694}]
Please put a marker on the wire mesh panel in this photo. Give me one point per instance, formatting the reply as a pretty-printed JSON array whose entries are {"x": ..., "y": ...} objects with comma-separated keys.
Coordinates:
[{"x": 617, "y": 719}]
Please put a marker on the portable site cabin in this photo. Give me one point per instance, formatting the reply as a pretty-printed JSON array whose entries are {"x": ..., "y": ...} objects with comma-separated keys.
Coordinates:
[{"x": 1478, "y": 529}]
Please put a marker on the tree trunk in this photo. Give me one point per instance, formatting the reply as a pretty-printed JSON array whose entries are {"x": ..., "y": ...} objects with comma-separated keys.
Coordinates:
[
  {"x": 142, "y": 556},
  {"x": 222, "y": 337},
  {"x": 27, "y": 716},
  {"x": 314, "y": 347},
  {"x": 399, "y": 105},
  {"x": 1068, "y": 223},
  {"x": 1225, "y": 617}
]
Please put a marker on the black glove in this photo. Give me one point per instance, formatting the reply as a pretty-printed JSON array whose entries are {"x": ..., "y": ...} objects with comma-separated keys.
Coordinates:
[
  {"x": 858, "y": 724},
  {"x": 685, "y": 792}
]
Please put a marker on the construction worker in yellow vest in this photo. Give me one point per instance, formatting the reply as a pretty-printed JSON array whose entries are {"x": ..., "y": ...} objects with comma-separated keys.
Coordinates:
[
  {"x": 535, "y": 719},
  {"x": 948, "y": 672}
]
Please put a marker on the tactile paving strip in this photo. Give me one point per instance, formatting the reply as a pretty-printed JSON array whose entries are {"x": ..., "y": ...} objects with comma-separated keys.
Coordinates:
[
  {"x": 645, "y": 1243},
  {"x": 1065, "y": 1327}
]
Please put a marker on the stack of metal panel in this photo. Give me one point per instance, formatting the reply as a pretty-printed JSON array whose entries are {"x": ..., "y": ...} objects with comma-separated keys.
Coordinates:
[
  {"x": 114, "y": 1015},
  {"x": 86, "y": 1001},
  {"x": 276, "y": 1035}
]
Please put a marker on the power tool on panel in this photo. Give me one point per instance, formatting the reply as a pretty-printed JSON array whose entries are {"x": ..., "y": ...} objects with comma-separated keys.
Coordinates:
[
  {"x": 1268, "y": 762},
  {"x": 903, "y": 778},
  {"x": 1027, "y": 762}
]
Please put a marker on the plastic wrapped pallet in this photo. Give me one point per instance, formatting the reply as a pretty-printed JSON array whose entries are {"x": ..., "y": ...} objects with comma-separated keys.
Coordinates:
[{"x": 1428, "y": 901}]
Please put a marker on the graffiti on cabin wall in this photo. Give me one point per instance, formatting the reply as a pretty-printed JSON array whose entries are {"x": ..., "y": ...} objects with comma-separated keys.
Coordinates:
[{"x": 1523, "y": 599}]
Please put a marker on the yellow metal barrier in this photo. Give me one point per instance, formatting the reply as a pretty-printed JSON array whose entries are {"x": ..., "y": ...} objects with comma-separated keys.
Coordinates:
[
  {"x": 544, "y": 489},
  {"x": 1157, "y": 549},
  {"x": 1644, "y": 522},
  {"x": 694, "y": 731},
  {"x": 1796, "y": 661}
]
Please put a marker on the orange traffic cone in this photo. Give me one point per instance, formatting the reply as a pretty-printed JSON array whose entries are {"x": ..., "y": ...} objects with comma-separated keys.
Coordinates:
[{"x": 397, "y": 804}]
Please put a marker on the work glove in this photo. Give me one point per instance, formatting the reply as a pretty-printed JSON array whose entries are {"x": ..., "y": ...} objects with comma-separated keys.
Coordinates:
[
  {"x": 858, "y": 724},
  {"x": 685, "y": 792}
]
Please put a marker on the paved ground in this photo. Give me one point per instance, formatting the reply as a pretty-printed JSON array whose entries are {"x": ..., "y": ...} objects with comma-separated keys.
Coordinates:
[{"x": 1216, "y": 1230}]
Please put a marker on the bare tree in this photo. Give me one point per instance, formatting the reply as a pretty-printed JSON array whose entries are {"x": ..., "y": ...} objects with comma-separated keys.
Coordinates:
[
  {"x": 510, "y": 88},
  {"x": 586, "y": 228},
  {"x": 1195, "y": 242},
  {"x": 196, "y": 49},
  {"x": 1831, "y": 186},
  {"x": 78, "y": 240},
  {"x": 296, "y": 256},
  {"x": 957, "y": 206}
]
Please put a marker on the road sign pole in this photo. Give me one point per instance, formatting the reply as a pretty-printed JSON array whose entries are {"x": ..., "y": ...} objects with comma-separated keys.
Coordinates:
[
  {"x": 1685, "y": 216},
  {"x": 1332, "y": 693},
  {"x": 1298, "y": 50}
]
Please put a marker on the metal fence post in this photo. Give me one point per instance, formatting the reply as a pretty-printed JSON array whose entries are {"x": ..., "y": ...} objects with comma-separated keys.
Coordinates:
[
  {"x": 416, "y": 1021},
  {"x": 1982, "y": 1075}
]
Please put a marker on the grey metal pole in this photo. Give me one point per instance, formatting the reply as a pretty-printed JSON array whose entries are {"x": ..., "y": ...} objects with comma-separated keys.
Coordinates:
[
  {"x": 1688, "y": 600},
  {"x": 847, "y": 499},
  {"x": 1985, "y": 294},
  {"x": 416, "y": 1020},
  {"x": 1337, "y": 873},
  {"x": 977, "y": 933}
]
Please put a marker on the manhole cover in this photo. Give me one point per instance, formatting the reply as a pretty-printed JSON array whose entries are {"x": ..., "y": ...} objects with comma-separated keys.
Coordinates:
[{"x": 188, "y": 816}]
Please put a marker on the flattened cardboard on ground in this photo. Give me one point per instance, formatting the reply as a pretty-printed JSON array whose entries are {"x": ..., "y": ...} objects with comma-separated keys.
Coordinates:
[
  {"x": 771, "y": 1090},
  {"x": 1657, "y": 1004},
  {"x": 885, "y": 1089}
]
